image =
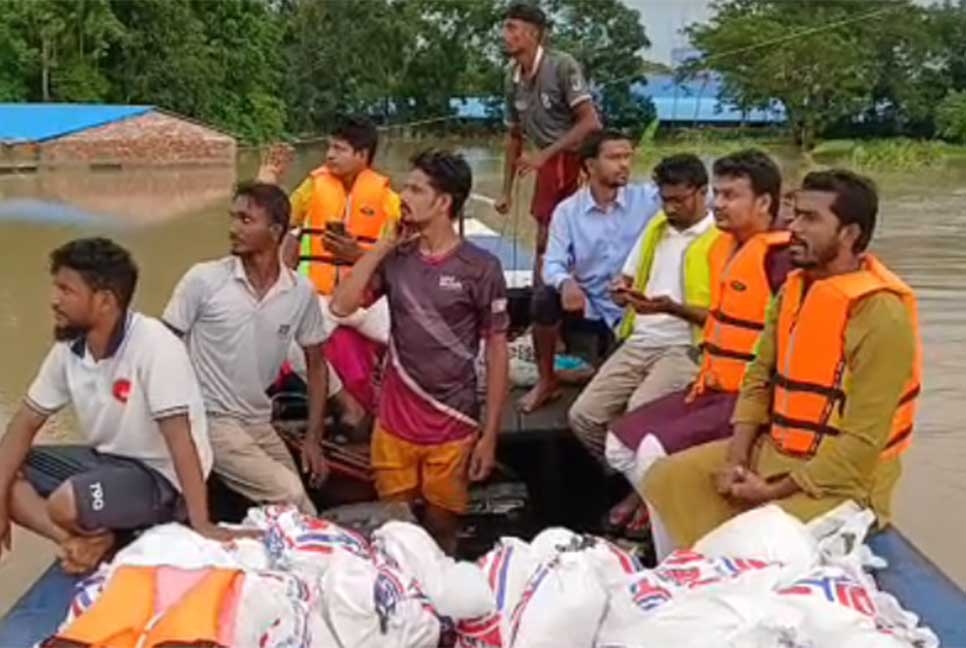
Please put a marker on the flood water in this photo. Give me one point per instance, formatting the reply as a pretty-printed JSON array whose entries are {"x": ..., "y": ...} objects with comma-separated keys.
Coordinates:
[{"x": 171, "y": 219}]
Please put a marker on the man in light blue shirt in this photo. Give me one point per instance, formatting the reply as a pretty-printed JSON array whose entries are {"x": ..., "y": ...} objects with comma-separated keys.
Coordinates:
[{"x": 591, "y": 234}]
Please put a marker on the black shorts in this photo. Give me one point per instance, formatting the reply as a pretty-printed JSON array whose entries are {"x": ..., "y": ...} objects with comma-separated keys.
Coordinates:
[
  {"x": 111, "y": 492},
  {"x": 589, "y": 338}
]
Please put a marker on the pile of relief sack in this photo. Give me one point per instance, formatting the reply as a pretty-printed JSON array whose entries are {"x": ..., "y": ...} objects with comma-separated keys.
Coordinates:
[{"x": 761, "y": 580}]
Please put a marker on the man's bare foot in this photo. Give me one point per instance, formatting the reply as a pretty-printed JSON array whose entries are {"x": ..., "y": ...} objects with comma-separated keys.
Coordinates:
[
  {"x": 543, "y": 393},
  {"x": 82, "y": 554}
]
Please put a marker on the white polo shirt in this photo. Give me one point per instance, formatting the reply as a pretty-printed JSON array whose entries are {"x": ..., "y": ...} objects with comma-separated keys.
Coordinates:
[
  {"x": 120, "y": 398},
  {"x": 666, "y": 278},
  {"x": 237, "y": 342}
]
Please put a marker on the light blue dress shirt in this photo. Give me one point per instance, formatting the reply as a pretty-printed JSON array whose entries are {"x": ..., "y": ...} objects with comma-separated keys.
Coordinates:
[{"x": 590, "y": 245}]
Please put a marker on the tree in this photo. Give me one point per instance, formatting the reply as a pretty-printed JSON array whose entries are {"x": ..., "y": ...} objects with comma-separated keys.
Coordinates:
[
  {"x": 244, "y": 39},
  {"x": 15, "y": 57},
  {"x": 818, "y": 59},
  {"x": 219, "y": 62},
  {"x": 67, "y": 41},
  {"x": 951, "y": 117},
  {"x": 397, "y": 60}
]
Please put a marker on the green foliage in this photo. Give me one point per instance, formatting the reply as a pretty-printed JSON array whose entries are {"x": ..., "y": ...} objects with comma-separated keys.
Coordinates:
[
  {"x": 399, "y": 60},
  {"x": 650, "y": 133},
  {"x": 263, "y": 68},
  {"x": 894, "y": 154},
  {"x": 820, "y": 60},
  {"x": 951, "y": 117},
  {"x": 15, "y": 58}
]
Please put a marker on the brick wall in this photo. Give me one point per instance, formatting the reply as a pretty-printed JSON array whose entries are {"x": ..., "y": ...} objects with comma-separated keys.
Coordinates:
[
  {"x": 19, "y": 156},
  {"x": 152, "y": 139}
]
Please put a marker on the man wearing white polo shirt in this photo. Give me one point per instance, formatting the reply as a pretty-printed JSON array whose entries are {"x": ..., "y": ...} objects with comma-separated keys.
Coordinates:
[
  {"x": 139, "y": 409},
  {"x": 239, "y": 315}
]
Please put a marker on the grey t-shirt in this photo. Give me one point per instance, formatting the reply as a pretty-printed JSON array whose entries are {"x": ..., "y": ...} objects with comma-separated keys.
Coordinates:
[
  {"x": 237, "y": 343},
  {"x": 543, "y": 105}
]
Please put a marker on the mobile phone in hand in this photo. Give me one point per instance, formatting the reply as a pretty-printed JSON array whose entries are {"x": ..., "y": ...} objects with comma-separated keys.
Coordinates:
[{"x": 335, "y": 227}]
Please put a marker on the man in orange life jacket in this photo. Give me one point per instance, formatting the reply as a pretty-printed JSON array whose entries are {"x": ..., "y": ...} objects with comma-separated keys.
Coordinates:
[
  {"x": 748, "y": 262},
  {"x": 827, "y": 406},
  {"x": 338, "y": 212}
]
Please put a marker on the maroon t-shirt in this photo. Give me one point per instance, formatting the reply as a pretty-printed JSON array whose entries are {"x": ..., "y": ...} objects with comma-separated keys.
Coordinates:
[{"x": 440, "y": 310}]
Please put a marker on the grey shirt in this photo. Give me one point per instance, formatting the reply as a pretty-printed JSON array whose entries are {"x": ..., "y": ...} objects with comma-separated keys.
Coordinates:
[
  {"x": 237, "y": 343},
  {"x": 543, "y": 104}
]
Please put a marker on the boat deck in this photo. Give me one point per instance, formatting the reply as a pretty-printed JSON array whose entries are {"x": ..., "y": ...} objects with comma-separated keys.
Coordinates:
[{"x": 539, "y": 449}]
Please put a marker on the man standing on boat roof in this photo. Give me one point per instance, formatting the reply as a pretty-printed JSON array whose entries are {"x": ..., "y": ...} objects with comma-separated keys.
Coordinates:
[
  {"x": 827, "y": 405},
  {"x": 138, "y": 407},
  {"x": 338, "y": 212},
  {"x": 239, "y": 316},
  {"x": 549, "y": 107},
  {"x": 446, "y": 296}
]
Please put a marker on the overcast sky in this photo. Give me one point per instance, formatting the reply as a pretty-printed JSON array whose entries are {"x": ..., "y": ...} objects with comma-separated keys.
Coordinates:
[{"x": 663, "y": 20}]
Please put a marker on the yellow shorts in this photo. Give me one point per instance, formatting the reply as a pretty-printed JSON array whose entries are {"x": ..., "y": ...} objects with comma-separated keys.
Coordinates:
[{"x": 440, "y": 473}]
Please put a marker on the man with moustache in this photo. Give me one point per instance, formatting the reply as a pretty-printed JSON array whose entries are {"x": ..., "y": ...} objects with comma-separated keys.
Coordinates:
[
  {"x": 591, "y": 235},
  {"x": 827, "y": 405},
  {"x": 445, "y": 295},
  {"x": 139, "y": 411},
  {"x": 664, "y": 287},
  {"x": 748, "y": 263},
  {"x": 239, "y": 316},
  {"x": 548, "y": 106}
]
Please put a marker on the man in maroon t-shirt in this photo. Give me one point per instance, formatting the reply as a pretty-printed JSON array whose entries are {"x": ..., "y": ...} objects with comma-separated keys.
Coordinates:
[{"x": 445, "y": 296}]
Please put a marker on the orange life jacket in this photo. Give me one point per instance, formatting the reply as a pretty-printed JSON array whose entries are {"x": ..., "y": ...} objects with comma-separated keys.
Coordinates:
[
  {"x": 740, "y": 293},
  {"x": 811, "y": 383},
  {"x": 127, "y": 614},
  {"x": 362, "y": 211}
]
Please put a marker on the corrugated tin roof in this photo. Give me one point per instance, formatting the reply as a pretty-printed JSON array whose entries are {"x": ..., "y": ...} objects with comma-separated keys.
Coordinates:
[
  {"x": 39, "y": 122},
  {"x": 696, "y": 100},
  {"x": 690, "y": 100}
]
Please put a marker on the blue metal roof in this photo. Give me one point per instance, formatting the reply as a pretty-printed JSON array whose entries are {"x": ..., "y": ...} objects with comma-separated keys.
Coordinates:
[
  {"x": 39, "y": 122},
  {"x": 696, "y": 100},
  {"x": 691, "y": 100}
]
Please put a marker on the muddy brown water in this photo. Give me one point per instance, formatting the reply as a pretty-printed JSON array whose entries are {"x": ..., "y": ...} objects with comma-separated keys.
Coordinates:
[{"x": 171, "y": 219}]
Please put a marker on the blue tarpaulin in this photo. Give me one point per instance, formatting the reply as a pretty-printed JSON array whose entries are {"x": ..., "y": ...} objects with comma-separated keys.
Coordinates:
[{"x": 39, "y": 122}]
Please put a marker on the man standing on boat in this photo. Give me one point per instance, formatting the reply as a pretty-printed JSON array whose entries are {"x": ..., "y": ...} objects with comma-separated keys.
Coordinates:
[
  {"x": 548, "y": 106},
  {"x": 138, "y": 407},
  {"x": 338, "y": 212},
  {"x": 827, "y": 405},
  {"x": 446, "y": 296},
  {"x": 591, "y": 235},
  {"x": 239, "y": 315}
]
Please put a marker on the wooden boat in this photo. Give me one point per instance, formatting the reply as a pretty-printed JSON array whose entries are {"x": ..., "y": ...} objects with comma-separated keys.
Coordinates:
[{"x": 539, "y": 447}]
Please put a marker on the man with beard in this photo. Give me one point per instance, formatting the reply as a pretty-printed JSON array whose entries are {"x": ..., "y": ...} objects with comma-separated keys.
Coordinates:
[
  {"x": 591, "y": 235},
  {"x": 239, "y": 316},
  {"x": 665, "y": 286},
  {"x": 138, "y": 407},
  {"x": 549, "y": 105},
  {"x": 445, "y": 296},
  {"x": 748, "y": 263},
  {"x": 828, "y": 403}
]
